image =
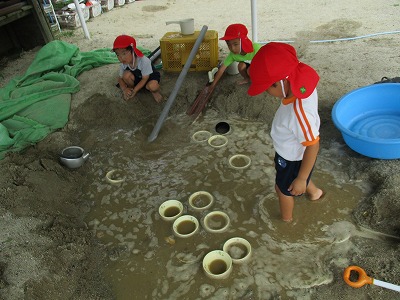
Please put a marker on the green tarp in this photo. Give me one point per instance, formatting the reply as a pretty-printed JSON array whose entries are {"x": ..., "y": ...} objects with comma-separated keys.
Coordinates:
[{"x": 38, "y": 103}]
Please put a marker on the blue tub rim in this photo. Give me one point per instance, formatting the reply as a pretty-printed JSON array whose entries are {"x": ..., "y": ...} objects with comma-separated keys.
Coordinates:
[{"x": 345, "y": 130}]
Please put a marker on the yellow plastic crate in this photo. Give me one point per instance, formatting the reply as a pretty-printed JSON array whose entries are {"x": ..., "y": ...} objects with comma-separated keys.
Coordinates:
[{"x": 175, "y": 50}]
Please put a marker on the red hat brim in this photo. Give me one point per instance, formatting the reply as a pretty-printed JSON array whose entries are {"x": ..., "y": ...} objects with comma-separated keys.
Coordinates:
[
  {"x": 124, "y": 41},
  {"x": 303, "y": 81},
  {"x": 278, "y": 61},
  {"x": 238, "y": 31}
]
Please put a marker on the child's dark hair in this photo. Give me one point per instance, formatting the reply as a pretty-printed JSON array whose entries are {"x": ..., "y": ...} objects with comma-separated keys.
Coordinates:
[{"x": 130, "y": 49}]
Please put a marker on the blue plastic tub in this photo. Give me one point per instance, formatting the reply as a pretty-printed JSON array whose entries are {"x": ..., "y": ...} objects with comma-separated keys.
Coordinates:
[{"x": 369, "y": 120}]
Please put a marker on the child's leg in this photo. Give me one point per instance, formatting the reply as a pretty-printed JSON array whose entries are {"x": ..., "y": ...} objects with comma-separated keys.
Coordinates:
[
  {"x": 242, "y": 67},
  {"x": 286, "y": 204},
  {"x": 313, "y": 191},
  {"x": 129, "y": 79},
  {"x": 154, "y": 87}
]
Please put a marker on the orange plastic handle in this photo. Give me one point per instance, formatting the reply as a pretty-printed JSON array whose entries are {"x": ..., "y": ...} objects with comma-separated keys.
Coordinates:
[{"x": 363, "y": 278}]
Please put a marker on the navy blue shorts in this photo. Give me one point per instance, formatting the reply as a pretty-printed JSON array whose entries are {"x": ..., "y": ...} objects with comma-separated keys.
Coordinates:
[
  {"x": 286, "y": 172},
  {"x": 138, "y": 75}
]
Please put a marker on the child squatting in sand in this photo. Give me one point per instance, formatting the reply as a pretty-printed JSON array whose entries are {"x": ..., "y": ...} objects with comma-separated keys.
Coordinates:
[
  {"x": 295, "y": 127},
  {"x": 136, "y": 70},
  {"x": 242, "y": 50}
]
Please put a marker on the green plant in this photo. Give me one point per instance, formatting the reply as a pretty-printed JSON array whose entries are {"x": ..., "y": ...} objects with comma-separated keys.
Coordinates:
[{"x": 64, "y": 33}]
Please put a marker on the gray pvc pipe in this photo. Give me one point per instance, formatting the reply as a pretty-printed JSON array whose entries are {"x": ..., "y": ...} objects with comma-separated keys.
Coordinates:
[
  {"x": 178, "y": 84},
  {"x": 155, "y": 55}
]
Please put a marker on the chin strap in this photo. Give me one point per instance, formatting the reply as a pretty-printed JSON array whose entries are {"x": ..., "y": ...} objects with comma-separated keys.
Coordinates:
[
  {"x": 283, "y": 89},
  {"x": 133, "y": 57}
]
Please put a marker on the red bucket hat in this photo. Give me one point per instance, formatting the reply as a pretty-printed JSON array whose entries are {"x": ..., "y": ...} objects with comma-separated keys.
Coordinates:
[
  {"x": 239, "y": 31},
  {"x": 124, "y": 41},
  {"x": 276, "y": 61}
]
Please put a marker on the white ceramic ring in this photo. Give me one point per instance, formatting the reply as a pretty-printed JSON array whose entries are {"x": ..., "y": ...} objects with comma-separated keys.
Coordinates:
[
  {"x": 218, "y": 141},
  {"x": 185, "y": 226},
  {"x": 216, "y": 222},
  {"x": 111, "y": 180},
  {"x": 247, "y": 161},
  {"x": 201, "y": 200},
  {"x": 239, "y": 249},
  {"x": 170, "y": 210},
  {"x": 201, "y": 136},
  {"x": 217, "y": 264}
]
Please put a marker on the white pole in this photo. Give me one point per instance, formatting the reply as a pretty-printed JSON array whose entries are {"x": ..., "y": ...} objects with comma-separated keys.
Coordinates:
[
  {"x": 82, "y": 19},
  {"x": 386, "y": 285},
  {"x": 254, "y": 20}
]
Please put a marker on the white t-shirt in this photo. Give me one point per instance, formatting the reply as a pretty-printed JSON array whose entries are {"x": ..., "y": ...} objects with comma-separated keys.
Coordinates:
[
  {"x": 143, "y": 64},
  {"x": 295, "y": 126}
]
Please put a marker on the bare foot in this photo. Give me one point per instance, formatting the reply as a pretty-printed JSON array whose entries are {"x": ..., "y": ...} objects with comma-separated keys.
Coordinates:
[
  {"x": 288, "y": 221},
  {"x": 158, "y": 97},
  {"x": 319, "y": 194},
  {"x": 244, "y": 81}
]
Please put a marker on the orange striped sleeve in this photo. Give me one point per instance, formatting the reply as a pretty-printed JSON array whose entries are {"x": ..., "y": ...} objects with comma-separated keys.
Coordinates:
[
  {"x": 303, "y": 121},
  {"x": 306, "y": 143}
]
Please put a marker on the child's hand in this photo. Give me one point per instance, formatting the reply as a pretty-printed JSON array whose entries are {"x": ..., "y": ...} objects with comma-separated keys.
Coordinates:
[
  {"x": 298, "y": 187},
  {"x": 128, "y": 93}
]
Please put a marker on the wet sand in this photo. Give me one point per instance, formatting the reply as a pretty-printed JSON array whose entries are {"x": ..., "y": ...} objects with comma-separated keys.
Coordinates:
[{"x": 48, "y": 251}]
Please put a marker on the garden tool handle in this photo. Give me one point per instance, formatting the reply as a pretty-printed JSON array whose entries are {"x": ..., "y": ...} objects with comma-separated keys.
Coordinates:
[{"x": 363, "y": 278}]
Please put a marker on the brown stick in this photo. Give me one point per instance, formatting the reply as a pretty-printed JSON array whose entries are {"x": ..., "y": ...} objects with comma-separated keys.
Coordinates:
[{"x": 202, "y": 102}]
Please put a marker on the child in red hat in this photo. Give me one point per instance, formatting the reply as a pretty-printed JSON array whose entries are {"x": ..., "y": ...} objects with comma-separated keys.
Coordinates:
[
  {"x": 136, "y": 70},
  {"x": 242, "y": 50},
  {"x": 295, "y": 127}
]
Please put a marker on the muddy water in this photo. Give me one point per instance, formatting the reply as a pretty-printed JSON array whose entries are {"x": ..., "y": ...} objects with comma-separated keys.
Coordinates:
[{"x": 148, "y": 262}]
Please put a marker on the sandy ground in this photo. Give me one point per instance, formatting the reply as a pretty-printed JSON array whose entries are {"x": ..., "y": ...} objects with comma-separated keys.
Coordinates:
[{"x": 46, "y": 249}]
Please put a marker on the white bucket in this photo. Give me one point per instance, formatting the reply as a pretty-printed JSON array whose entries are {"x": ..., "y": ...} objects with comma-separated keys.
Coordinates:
[
  {"x": 233, "y": 68},
  {"x": 187, "y": 26}
]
